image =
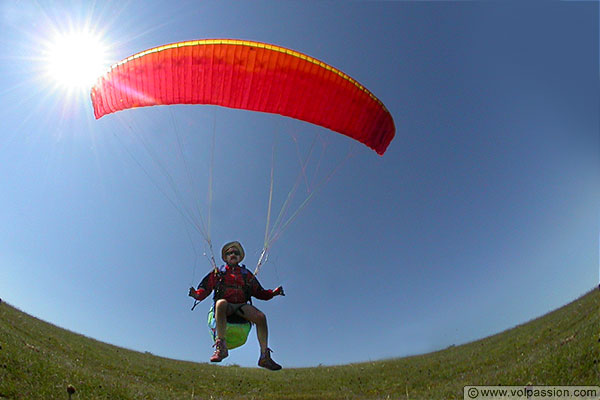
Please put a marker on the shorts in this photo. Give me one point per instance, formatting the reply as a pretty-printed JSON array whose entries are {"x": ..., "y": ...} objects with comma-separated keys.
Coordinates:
[{"x": 235, "y": 308}]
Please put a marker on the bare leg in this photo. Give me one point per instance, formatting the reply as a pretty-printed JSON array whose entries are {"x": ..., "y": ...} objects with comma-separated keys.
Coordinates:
[
  {"x": 258, "y": 318},
  {"x": 221, "y": 317}
]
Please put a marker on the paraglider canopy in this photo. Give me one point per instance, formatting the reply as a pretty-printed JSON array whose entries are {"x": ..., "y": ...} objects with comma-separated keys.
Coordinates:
[{"x": 246, "y": 75}]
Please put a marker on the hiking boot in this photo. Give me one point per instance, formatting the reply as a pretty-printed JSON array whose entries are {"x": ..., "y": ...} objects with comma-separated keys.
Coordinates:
[
  {"x": 220, "y": 351},
  {"x": 267, "y": 362}
]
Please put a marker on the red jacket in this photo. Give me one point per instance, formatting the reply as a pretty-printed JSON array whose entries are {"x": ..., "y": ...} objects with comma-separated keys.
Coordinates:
[{"x": 229, "y": 284}]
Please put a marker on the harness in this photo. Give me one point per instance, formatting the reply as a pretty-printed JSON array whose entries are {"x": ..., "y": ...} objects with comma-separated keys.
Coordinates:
[{"x": 221, "y": 286}]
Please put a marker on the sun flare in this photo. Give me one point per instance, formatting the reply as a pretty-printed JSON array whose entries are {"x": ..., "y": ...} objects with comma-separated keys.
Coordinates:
[{"x": 74, "y": 60}]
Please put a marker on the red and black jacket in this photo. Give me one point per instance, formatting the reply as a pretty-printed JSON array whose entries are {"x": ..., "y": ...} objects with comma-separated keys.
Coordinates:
[{"x": 235, "y": 284}]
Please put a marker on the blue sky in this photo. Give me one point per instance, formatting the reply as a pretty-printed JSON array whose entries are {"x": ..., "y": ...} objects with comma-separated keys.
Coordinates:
[{"x": 482, "y": 214}]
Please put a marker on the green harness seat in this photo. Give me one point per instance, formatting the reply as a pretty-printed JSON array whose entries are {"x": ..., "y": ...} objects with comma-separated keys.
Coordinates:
[{"x": 237, "y": 329}]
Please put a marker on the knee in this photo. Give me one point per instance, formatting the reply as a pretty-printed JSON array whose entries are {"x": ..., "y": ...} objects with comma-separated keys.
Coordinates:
[
  {"x": 261, "y": 318},
  {"x": 221, "y": 305}
]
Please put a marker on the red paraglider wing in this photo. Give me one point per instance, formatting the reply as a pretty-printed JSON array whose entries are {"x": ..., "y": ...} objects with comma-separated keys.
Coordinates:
[{"x": 246, "y": 75}]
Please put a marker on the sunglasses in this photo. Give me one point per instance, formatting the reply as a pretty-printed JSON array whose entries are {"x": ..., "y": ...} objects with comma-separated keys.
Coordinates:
[{"x": 232, "y": 252}]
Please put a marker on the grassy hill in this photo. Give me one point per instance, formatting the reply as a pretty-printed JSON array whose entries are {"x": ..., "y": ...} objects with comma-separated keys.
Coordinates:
[{"x": 39, "y": 360}]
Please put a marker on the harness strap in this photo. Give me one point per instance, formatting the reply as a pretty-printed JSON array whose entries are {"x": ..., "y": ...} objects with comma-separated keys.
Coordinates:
[{"x": 221, "y": 286}]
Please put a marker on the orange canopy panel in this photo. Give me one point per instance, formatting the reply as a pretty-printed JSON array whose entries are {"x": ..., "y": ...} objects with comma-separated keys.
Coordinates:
[{"x": 246, "y": 75}]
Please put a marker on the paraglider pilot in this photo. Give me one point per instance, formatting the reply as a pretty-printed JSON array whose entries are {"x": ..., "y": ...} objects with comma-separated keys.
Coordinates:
[{"x": 234, "y": 285}]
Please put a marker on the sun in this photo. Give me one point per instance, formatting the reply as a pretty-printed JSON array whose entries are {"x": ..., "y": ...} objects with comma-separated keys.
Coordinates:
[{"x": 74, "y": 60}]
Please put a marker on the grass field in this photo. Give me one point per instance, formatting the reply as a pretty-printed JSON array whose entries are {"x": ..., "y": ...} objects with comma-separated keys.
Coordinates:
[{"x": 39, "y": 361}]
